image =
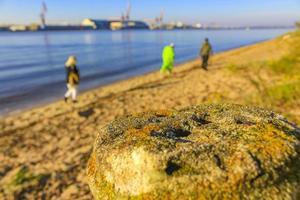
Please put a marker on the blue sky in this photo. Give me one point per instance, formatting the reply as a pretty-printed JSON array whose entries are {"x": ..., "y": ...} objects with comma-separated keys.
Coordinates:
[{"x": 223, "y": 12}]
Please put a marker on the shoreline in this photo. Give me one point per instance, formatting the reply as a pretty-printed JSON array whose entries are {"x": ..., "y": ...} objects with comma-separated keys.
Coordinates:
[
  {"x": 55, "y": 99},
  {"x": 176, "y": 29}
]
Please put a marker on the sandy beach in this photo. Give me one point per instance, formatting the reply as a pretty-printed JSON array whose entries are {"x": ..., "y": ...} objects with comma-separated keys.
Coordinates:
[{"x": 54, "y": 141}]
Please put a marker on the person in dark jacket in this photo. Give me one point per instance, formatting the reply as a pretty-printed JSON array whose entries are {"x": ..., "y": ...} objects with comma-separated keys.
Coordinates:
[
  {"x": 205, "y": 52},
  {"x": 72, "y": 78}
]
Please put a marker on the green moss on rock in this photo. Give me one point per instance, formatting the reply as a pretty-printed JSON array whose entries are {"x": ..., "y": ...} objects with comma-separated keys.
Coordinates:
[{"x": 202, "y": 152}]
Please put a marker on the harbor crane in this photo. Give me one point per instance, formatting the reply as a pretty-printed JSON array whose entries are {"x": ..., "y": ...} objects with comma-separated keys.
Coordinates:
[
  {"x": 44, "y": 11},
  {"x": 159, "y": 20},
  {"x": 126, "y": 16}
]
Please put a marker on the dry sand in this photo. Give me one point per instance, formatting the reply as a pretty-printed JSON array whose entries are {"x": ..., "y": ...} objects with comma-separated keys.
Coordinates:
[{"x": 57, "y": 139}]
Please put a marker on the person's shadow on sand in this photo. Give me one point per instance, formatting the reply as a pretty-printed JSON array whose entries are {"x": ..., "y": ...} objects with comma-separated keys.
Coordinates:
[{"x": 86, "y": 113}]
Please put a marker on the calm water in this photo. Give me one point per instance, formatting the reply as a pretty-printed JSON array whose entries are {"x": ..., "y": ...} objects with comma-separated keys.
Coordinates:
[{"x": 32, "y": 64}]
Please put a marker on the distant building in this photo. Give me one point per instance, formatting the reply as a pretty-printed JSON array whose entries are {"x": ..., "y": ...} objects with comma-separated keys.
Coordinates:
[
  {"x": 36, "y": 27},
  {"x": 114, "y": 24},
  {"x": 4, "y": 28},
  {"x": 134, "y": 25},
  {"x": 33, "y": 27},
  {"x": 179, "y": 25},
  {"x": 96, "y": 24},
  {"x": 198, "y": 26},
  {"x": 65, "y": 28},
  {"x": 15, "y": 28}
]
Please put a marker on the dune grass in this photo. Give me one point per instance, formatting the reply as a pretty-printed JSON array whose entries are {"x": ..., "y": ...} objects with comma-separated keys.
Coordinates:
[
  {"x": 283, "y": 94},
  {"x": 289, "y": 65},
  {"x": 233, "y": 68},
  {"x": 277, "y": 82}
]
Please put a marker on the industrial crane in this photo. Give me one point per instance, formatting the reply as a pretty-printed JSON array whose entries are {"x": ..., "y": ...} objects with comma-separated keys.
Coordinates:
[{"x": 44, "y": 11}]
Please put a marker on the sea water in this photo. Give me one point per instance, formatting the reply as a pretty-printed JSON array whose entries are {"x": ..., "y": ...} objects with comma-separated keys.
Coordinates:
[{"x": 32, "y": 63}]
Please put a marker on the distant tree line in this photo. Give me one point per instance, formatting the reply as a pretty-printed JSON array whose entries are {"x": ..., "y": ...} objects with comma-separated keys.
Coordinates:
[{"x": 298, "y": 24}]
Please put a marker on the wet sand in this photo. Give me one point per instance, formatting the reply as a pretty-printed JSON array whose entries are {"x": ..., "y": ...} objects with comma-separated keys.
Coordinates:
[{"x": 56, "y": 139}]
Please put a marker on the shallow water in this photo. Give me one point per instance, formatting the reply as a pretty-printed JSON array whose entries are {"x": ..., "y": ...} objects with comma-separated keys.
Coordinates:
[{"x": 32, "y": 64}]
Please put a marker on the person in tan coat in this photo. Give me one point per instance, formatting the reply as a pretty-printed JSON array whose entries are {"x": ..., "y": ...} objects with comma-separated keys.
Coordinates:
[{"x": 72, "y": 79}]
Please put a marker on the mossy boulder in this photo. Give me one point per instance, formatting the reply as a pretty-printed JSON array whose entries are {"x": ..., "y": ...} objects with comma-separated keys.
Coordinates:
[{"x": 202, "y": 152}]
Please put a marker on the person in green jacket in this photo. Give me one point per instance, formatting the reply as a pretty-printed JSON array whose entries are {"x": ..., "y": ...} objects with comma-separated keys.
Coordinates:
[
  {"x": 168, "y": 56},
  {"x": 205, "y": 52}
]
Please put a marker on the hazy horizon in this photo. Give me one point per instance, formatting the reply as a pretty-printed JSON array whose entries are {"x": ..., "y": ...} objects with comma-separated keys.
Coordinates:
[{"x": 219, "y": 12}]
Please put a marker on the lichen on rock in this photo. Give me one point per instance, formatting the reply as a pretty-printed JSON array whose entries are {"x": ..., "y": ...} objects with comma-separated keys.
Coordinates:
[{"x": 201, "y": 152}]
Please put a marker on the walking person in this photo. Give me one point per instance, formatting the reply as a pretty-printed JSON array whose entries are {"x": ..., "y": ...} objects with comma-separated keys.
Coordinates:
[
  {"x": 72, "y": 79},
  {"x": 168, "y": 56},
  {"x": 205, "y": 52}
]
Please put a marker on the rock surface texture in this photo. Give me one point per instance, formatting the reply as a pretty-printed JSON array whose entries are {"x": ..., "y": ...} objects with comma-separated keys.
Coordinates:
[{"x": 202, "y": 152}]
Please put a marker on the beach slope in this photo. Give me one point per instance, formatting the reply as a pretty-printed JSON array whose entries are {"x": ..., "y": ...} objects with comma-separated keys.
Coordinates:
[{"x": 44, "y": 151}]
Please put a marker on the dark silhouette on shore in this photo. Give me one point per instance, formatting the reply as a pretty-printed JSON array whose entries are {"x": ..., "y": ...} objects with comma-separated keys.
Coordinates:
[{"x": 205, "y": 53}]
